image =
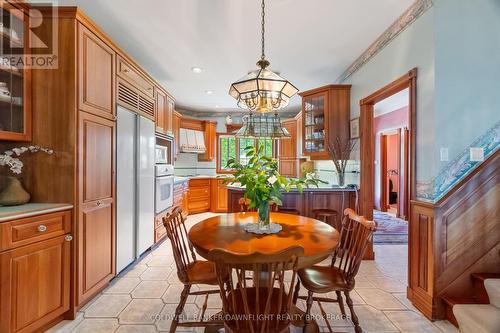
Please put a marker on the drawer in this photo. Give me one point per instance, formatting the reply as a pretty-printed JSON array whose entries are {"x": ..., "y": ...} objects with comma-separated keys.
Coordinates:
[
  {"x": 195, "y": 206},
  {"x": 34, "y": 229},
  {"x": 132, "y": 75},
  {"x": 199, "y": 193},
  {"x": 204, "y": 182},
  {"x": 160, "y": 233}
]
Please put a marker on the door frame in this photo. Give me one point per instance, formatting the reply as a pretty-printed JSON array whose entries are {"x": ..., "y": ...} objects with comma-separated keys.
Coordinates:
[{"x": 367, "y": 144}]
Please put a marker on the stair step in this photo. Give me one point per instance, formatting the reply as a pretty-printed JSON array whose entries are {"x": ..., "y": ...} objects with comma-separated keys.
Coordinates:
[
  {"x": 454, "y": 300},
  {"x": 478, "y": 283},
  {"x": 492, "y": 287},
  {"x": 484, "y": 276},
  {"x": 475, "y": 318}
]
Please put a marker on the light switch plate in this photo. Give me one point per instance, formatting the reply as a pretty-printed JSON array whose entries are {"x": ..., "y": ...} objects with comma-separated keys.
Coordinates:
[
  {"x": 443, "y": 154},
  {"x": 477, "y": 154}
]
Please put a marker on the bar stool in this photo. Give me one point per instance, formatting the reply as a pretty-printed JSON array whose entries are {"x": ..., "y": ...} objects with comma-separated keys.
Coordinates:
[
  {"x": 288, "y": 211},
  {"x": 329, "y": 216}
]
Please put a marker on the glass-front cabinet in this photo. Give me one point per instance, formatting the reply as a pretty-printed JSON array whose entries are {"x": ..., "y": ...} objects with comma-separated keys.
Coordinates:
[
  {"x": 314, "y": 123},
  {"x": 325, "y": 116},
  {"x": 15, "y": 79}
]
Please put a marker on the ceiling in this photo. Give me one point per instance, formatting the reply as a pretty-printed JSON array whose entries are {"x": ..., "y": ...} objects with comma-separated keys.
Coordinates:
[
  {"x": 392, "y": 103},
  {"x": 309, "y": 42}
]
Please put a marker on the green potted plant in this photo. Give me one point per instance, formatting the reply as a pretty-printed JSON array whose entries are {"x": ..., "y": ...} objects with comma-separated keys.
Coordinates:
[{"x": 263, "y": 183}]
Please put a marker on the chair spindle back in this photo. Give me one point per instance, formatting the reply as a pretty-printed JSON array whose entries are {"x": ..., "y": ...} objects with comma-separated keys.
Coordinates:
[
  {"x": 183, "y": 250},
  {"x": 355, "y": 234},
  {"x": 263, "y": 302}
]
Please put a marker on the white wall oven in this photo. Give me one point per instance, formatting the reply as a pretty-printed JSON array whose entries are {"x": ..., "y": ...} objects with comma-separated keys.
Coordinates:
[{"x": 164, "y": 187}]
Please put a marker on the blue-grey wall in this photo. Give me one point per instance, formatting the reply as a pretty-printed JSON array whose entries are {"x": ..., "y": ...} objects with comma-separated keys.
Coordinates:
[
  {"x": 413, "y": 47},
  {"x": 467, "y": 47}
]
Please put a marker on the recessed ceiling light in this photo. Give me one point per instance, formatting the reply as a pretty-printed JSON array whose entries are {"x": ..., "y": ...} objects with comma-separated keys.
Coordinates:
[
  {"x": 196, "y": 70},
  {"x": 216, "y": 106},
  {"x": 209, "y": 92}
]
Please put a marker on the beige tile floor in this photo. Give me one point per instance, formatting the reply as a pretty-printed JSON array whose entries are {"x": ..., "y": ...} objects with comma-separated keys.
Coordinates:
[{"x": 144, "y": 297}]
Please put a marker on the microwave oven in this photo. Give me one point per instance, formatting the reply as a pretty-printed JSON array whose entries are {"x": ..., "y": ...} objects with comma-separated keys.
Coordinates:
[{"x": 161, "y": 155}]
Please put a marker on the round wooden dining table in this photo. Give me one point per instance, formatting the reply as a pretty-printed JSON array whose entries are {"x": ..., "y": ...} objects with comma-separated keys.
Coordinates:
[{"x": 226, "y": 232}]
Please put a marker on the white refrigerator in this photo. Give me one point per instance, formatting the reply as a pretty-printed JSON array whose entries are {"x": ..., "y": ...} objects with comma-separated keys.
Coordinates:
[{"x": 135, "y": 186}]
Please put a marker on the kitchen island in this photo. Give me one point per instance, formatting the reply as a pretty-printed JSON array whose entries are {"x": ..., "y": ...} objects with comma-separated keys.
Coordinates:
[{"x": 306, "y": 203}]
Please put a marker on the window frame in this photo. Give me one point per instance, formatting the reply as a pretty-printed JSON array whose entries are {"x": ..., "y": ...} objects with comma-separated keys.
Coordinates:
[{"x": 237, "y": 147}]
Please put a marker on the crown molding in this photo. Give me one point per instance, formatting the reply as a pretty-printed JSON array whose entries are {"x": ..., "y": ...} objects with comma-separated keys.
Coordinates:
[{"x": 416, "y": 10}]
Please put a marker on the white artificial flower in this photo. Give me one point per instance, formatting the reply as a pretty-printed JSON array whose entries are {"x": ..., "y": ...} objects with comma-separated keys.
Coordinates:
[{"x": 272, "y": 179}]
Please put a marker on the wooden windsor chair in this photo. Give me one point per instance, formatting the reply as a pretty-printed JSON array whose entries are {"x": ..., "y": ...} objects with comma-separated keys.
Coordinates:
[
  {"x": 190, "y": 270},
  {"x": 355, "y": 234},
  {"x": 263, "y": 303}
]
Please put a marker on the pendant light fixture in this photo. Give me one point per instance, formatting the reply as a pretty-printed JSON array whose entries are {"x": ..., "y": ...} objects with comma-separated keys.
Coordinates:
[
  {"x": 263, "y": 126},
  {"x": 262, "y": 90}
]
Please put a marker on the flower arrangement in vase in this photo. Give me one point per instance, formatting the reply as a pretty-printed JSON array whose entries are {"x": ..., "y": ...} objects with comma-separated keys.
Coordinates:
[
  {"x": 13, "y": 192},
  {"x": 263, "y": 183},
  {"x": 340, "y": 152}
]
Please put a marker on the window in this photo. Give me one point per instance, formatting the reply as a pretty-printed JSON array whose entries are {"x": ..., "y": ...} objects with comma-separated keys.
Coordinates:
[{"x": 231, "y": 147}]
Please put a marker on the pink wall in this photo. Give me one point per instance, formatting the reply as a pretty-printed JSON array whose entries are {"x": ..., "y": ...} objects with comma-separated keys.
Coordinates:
[
  {"x": 388, "y": 121},
  {"x": 392, "y": 159}
]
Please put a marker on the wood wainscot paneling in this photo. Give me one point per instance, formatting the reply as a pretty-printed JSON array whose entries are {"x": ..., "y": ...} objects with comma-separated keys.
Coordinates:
[
  {"x": 467, "y": 232},
  {"x": 453, "y": 238},
  {"x": 420, "y": 254}
]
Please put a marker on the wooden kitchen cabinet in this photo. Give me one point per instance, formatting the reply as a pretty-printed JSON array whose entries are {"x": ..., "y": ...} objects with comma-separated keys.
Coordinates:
[
  {"x": 288, "y": 159},
  {"x": 218, "y": 192},
  {"x": 165, "y": 106},
  {"x": 96, "y": 68},
  {"x": 96, "y": 227},
  {"x": 15, "y": 100},
  {"x": 35, "y": 271},
  {"x": 199, "y": 195},
  {"x": 176, "y": 129},
  {"x": 210, "y": 132},
  {"x": 325, "y": 116}
]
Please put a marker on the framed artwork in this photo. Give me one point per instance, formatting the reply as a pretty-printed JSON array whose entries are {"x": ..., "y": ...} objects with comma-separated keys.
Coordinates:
[{"x": 355, "y": 128}]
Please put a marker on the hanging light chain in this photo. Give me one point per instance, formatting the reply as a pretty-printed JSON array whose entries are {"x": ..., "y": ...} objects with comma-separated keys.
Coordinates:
[{"x": 263, "y": 29}]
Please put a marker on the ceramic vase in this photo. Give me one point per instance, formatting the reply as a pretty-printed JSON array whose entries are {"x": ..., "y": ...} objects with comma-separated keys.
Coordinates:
[{"x": 14, "y": 193}]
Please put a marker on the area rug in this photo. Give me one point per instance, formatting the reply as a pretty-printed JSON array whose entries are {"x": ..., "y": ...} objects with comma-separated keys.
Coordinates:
[{"x": 390, "y": 229}]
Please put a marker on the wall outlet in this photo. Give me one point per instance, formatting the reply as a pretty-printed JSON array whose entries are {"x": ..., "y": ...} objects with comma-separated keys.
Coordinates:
[
  {"x": 477, "y": 154},
  {"x": 443, "y": 152}
]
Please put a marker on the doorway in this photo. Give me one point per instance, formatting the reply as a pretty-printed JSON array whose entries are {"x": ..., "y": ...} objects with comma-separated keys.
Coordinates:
[
  {"x": 377, "y": 173},
  {"x": 390, "y": 156}
]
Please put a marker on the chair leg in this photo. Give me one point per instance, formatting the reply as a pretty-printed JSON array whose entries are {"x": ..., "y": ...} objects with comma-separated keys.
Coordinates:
[
  {"x": 296, "y": 293},
  {"x": 309, "y": 304},
  {"x": 354, "y": 318},
  {"x": 180, "y": 307},
  {"x": 341, "y": 302}
]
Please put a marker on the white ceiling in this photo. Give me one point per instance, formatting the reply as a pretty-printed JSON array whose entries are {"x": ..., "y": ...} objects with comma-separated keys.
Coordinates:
[
  {"x": 309, "y": 42},
  {"x": 392, "y": 103}
]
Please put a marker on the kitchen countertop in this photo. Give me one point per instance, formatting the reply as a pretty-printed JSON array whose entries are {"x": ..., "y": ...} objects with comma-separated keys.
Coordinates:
[
  {"x": 179, "y": 179},
  {"x": 321, "y": 188},
  {"x": 30, "y": 209}
]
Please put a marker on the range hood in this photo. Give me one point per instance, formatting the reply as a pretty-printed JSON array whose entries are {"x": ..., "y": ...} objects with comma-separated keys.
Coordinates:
[{"x": 192, "y": 141}]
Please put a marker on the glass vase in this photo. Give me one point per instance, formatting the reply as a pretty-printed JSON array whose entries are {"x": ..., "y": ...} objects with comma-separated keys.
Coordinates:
[
  {"x": 263, "y": 211},
  {"x": 341, "y": 178}
]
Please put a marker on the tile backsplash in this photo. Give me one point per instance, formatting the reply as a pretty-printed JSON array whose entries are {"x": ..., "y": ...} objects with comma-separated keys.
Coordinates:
[
  {"x": 326, "y": 171},
  {"x": 187, "y": 165}
]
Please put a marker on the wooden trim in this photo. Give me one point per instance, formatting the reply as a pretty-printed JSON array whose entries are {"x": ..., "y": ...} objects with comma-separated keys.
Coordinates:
[
  {"x": 367, "y": 141},
  {"x": 383, "y": 173},
  {"x": 324, "y": 88},
  {"x": 194, "y": 124}
]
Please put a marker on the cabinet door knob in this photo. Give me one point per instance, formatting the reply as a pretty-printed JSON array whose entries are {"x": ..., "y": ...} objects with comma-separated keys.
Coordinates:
[
  {"x": 99, "y": 202},
  {"x": 68, "y": 238},
  {"x": 42, "y": 228}
]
